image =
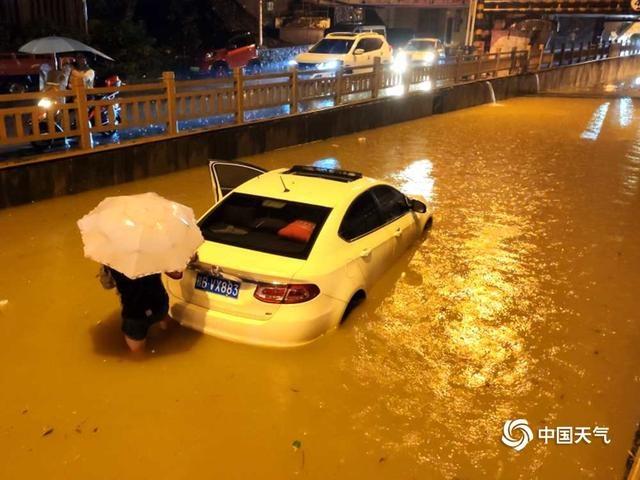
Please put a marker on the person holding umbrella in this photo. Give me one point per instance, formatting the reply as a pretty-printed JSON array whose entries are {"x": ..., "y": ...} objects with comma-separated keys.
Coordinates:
[
  {"x": 136, "y": 238},
  {"x": 144, "y": 302}
]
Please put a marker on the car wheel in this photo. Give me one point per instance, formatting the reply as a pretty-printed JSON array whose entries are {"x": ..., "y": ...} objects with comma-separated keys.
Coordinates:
[{"x": 356, "y": 300}]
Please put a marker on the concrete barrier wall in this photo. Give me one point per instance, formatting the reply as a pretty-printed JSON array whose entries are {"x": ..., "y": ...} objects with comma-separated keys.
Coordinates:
[{"x": 76, "y": 173}]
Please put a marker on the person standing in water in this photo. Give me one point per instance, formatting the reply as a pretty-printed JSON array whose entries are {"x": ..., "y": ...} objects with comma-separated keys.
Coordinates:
[{"x": 144, "y": 303}]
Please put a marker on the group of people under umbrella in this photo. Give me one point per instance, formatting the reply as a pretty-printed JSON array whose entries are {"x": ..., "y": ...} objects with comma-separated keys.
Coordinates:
[
  {"x": 135, "y": 239},
  {"x": 63, "y": 70}
]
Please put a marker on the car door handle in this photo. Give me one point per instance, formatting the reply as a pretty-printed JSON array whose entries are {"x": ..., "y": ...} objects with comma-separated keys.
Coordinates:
[
  {"x": 365, "y": 253},
  {"x": 397, "y": 233}
]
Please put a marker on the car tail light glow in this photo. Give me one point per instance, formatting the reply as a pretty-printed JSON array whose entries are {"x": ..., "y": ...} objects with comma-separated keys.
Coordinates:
[{"x": 292, "y": 293}]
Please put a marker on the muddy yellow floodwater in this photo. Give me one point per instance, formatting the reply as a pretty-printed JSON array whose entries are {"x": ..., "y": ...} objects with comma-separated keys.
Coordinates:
[{"x": 522, "y": 303}]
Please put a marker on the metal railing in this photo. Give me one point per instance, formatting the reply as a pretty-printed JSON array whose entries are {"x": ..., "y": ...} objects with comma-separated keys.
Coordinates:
[{"x": 169, "y": 108}]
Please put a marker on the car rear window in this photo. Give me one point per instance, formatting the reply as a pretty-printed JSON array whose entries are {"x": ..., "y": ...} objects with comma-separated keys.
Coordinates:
[{"x": 265, "y": 224}]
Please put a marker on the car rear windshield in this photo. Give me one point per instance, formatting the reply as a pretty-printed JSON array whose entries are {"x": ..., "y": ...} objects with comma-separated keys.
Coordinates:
[
  {"x": 265, "y": 224},
  {"x": 417, "y": 45},
  {"x": 332, "y": 45}
]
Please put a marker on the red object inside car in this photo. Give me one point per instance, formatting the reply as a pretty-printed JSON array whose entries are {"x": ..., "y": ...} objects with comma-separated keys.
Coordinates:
[{"x": 298, "y": 230}]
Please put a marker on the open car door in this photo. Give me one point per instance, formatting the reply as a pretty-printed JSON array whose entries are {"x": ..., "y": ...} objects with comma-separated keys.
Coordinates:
[{"x": 227, "y": 175}]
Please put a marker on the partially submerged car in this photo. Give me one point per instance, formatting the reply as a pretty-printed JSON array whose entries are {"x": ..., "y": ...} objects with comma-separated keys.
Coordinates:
[{"x": 288, "y": 253}]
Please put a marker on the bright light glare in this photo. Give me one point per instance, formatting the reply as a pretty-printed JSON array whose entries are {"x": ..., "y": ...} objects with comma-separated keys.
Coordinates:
[
  {"x": 399, "y": 64},
  {"x": 292, "y": 63},
  {"x": 429, "y": 58},
  {"x": 45, "y": 103},
  {"x": 425, "y": 86},
  {"x": 636, "y": 81},
  {"x": 330, "y": 65}
]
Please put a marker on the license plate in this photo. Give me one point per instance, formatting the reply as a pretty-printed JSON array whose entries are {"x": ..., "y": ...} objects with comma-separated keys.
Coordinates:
[{"x": 217, "y": 285}]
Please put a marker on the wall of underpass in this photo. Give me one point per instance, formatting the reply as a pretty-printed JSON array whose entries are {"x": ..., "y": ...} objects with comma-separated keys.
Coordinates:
[{"x": 70, "y": 173}]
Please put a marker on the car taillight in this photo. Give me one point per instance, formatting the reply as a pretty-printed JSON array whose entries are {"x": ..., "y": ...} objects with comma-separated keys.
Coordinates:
[{"x": 293, "y": 293}]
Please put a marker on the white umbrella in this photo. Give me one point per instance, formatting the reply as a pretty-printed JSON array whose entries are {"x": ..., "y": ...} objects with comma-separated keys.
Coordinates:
[
  {"x": 57, "y": 45},
  {"x": 140, "y": 235}
]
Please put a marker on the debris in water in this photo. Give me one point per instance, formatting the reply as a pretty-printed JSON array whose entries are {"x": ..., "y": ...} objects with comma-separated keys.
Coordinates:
[
  {"x": 296, "y": 444},
  {"x": 47, "y": 431},
  {"x": 3, "y": 303},
  {"x": 294, "y": 390},
  {"x": 381, "y": 459},
  {"x": 362, "y": 139},
  {"x": 26, "y": 410},
  {"x": 95, "y": 430}
]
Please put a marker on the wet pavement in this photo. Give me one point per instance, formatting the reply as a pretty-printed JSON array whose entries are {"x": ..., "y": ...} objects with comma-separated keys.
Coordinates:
[{"x": 522, "y": 303}]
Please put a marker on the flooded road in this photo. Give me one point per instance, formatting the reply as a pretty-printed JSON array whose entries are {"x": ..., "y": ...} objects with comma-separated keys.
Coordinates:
[{"x": 522, "y": 303}]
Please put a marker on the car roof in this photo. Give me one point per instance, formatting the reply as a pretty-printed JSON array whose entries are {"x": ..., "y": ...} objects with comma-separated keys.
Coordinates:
[
  {"x": 352, "y": 35},
  {"x": 314, "y": 190},
  {"x": 429, "y": 39}
]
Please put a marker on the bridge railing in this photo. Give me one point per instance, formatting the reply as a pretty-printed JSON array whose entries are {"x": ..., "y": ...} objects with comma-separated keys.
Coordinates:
[{"x": 91, "y": 118}]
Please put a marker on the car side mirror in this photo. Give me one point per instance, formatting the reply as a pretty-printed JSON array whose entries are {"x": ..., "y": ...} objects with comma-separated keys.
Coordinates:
[
  {"x": 417, "y": 206},
  {"x": 358, "y": 51}
]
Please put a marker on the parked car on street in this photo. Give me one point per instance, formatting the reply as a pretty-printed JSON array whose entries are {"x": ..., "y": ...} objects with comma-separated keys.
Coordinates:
[
  {"x": 422, "y": 51},
  {"x": 347, "y": 50},
  {"x": 290, "y": 252},
  {"x": 240, "y": 51},
  {"x": 20, "y": 72}
]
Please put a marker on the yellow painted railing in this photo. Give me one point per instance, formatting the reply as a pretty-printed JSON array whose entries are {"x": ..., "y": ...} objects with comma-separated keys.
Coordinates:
[{"x": 169, "y": 108}]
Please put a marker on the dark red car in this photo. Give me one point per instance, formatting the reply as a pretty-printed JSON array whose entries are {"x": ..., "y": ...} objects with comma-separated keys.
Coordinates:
[
  {"x": 20, "y": 72},
  {"x": 240, "y": 51}
]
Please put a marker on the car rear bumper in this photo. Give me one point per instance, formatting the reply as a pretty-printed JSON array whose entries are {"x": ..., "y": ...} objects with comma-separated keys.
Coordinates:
[{"x": 290, "y": 326}]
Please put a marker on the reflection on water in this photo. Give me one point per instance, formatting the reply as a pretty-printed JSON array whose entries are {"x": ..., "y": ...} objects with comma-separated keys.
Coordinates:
[
  {"x": 595, "y": 124},
  {"x": 625, "y": 111},
  {"x": 520, "y": 303}
]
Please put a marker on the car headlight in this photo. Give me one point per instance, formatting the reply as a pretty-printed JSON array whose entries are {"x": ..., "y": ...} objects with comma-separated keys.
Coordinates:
[
  {"x": 45, "y": 103},
  {"x": 400, "y": 62},
  {"x": 330, "y": 65},
  {"x": 292, "y": 63},
  {"x": 429, "y": 58}
]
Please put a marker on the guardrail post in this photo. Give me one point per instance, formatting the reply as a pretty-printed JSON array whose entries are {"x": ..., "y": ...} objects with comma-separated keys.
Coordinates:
[
  {"x": 561, "y": 61},
  {"x": 573, "y": 46},
  {"x": 580, "y": 52},
  {"x": 169, "y": 80},
  {"x": 82, "y": 114},
  {"x": 497, "y": 69},
  {"x": 238, "y": 84},
  {"x": 377, "y": 71},
  {"x": 406, "y": 78},
  {"x": 456, "y": 75},
  {"x": 479, "y": 66},
  {"x": 540, "y": 56},
  {"x": 338, "y": 86},
  {"x": 512, "y": 69},
  {"x": 527, "y": 59},
  {"x": 293, "y": 108}
]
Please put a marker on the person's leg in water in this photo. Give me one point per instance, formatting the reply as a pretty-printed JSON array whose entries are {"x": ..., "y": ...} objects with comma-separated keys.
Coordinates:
[
  {"x": 135, "y": 333},
  {"x": 135, "y": 346}
]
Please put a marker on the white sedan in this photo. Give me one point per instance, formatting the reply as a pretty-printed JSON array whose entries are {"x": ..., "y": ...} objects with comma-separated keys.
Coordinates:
[{"x": 288, "y": 253}]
